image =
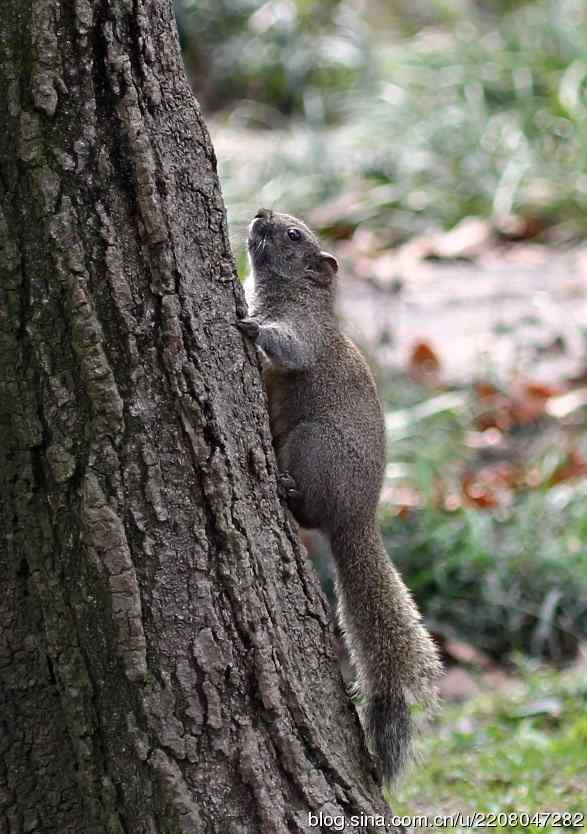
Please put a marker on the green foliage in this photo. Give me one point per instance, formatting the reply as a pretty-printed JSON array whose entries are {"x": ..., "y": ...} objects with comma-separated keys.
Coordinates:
[
  {"x": 508, "y": 578},
  {"x": 522, "y": 751},
  {"x": 286, "y": 55},
  {"x": 505, "y": 581},
  {"x": 484, "y": 115},
  {"x": 485, "y": 121}
]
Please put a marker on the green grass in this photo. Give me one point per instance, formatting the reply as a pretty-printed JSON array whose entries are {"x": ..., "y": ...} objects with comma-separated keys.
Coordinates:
[
  {"x": 483, "y": 119},
  {"x": 507, "y": 578},
  {"x": 480, "y": 115},
  {"x": 523, "y": 751},
  {"x": 502, "y": 580}
]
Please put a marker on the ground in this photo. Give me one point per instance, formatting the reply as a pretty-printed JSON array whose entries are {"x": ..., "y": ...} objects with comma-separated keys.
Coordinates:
[
  {"x": 513, "y": 310},
  {"x": 517, "y": 748}
]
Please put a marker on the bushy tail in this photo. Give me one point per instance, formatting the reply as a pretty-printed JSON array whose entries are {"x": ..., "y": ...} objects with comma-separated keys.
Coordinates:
[{"x": 395, "y": 658}]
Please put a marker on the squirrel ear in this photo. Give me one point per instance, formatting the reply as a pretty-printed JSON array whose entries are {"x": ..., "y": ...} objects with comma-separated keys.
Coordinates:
[{"x": 329, "y": 261}]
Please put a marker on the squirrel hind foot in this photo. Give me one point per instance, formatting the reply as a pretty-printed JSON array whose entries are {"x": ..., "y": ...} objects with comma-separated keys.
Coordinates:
[{"x": 286, "y": 486}]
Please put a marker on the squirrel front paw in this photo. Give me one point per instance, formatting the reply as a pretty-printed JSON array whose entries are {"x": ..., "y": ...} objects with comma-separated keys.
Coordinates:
[{"x": 248, "y": 327}]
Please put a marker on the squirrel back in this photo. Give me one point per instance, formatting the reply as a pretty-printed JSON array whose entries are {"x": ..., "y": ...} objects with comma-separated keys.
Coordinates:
[{"x": 328, "y": 431}]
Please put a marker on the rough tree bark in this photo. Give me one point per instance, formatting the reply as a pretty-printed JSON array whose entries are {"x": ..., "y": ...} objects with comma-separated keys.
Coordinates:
[{"x": 166, "y": 661}]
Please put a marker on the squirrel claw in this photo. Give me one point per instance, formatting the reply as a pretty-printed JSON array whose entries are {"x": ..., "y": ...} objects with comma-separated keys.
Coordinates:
[
  {"x": 287, "y": 487},
  {"x": 248, "y": 327}
]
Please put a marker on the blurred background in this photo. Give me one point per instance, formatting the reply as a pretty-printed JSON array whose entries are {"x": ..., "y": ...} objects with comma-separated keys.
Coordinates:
[{"x": 440, "y": 149}]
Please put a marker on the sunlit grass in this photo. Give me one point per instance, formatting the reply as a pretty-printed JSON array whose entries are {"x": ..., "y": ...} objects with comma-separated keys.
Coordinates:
[
  {"x": 506, "y": 752},
  {"x": 485, "y": 117},
  {"x": 510, "y": 575}
]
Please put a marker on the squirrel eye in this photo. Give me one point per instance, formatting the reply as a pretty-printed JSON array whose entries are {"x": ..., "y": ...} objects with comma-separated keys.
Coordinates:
[{"x": 294, "y": 234}]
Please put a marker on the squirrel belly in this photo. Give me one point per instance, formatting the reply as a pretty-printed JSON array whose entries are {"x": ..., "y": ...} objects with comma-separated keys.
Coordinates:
[{"x": 328, "y": 432}]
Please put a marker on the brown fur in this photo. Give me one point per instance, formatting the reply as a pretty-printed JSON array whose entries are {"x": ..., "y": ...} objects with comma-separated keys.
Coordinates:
[{"x": 328, "y": 432}]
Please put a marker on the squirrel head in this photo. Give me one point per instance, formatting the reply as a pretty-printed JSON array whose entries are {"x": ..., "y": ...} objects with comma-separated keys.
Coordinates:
[{"x": 282, "y": 248}]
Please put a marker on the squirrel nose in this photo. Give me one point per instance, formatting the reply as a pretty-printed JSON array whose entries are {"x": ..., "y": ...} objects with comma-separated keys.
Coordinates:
[
  {"x": 263, "y": 214},
  {"x": 261, "y": 224}
]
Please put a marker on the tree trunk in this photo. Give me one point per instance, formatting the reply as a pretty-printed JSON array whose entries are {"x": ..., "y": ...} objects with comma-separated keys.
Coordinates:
[{"x": 166, "y": 657}]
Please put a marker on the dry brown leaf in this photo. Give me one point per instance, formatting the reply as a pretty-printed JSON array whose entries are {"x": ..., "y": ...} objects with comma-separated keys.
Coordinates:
[
  {"x": 516, "y": 227},
  {"x": 527, "y": 403},
  {"x": 424, "y": 364},
  {"x": 401, "y": 499},
  {"x": 485, "y": 390},
  {"x": 478, "y": 493},
  {"x": 540, "y": 391},
  {"x": 492, "y": 485},
  {"x": 574, "y": 467}
]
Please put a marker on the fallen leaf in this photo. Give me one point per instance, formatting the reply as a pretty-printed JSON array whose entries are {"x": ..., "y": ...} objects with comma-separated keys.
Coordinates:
[
  {"x": 478, "y": 493},
  {"x": 574, "y": 467},
  {"x": 524, "y": 405},
  {"x": 541, "y": 391},
  {"x": 466, "y": 653},
  {"x": 424, "y": 364},
  {"x": 517, "y": 227},
  {"x": 466, "y": 240},
  {"x": 492, "y": 485},
  {"x": 525, "y": 409},
  {"x": 401, "y": 499},
  {"x": 485, "y": 390}
]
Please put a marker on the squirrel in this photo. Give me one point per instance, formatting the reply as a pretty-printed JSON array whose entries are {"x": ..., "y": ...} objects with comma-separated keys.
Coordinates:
[{"x": 329, "y": 437}]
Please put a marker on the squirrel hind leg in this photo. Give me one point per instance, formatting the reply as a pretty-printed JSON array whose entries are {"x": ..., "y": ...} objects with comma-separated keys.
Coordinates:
[{"x": 306, "y": 478}]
